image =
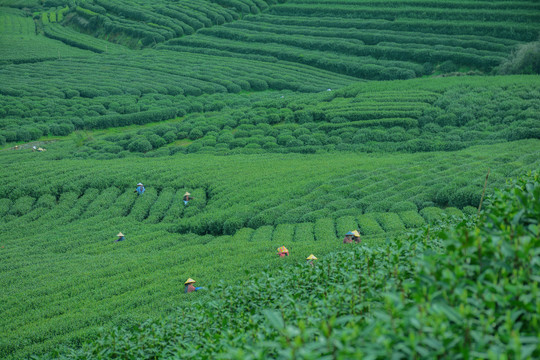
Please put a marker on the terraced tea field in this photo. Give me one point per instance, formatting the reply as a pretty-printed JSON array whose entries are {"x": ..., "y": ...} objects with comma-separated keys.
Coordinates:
[
  {"x": 291, "y": 123},
  {"x": 59, "y": 224}
]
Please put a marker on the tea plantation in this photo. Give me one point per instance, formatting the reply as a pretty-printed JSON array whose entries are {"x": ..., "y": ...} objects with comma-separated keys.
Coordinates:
[
  {"x": 465, "y": 290},
  {"x": 290, "y": 122}
]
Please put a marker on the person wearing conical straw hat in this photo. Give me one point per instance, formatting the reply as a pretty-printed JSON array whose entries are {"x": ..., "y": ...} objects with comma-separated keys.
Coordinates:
[
  {"x": 190, "y": 287},
  {"x": 282, "y": 251},
  {"x": 121, "y": 237},
  {"x": 356, "y": 237},
  {"x": 310, "y": 259},
  {"x": 140, "y": 189},
  {"x": 348, "y": 238},
  {"x": 186, "y": 198}
]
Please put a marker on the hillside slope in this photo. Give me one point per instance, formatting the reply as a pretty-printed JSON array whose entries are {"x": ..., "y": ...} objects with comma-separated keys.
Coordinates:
[
  {"x": 62, "y": 270},
  {"x": 268, "y": 112},
  {"x": 460, "y": 291}
]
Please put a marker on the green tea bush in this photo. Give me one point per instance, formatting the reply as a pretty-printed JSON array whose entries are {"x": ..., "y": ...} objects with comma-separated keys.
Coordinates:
[
  {"x": 283, "y": 233},
  {"x": 123, "y": 204},
  {"x": 269, "y": 216},
  {"x": 263, "y": 234},
  {"x": 46, "y": 201},
  {"x": 243, "y": 235},
  {"x": 80, "y": 208},
  {"x": 59, "y": 214},
  {"x": 403, "y": 206},
  {"x": 345, "y": 224},
  {"x": 411, "y": 219},
  {"x": 199, "y": 199},
  {"x": 368, "y": 225},
  {"x": 303, "y": 233},
  {"x": 5, "y": 206},
  {"x": 160, "y": 207},
  {"x": 452, "y": 211},
  {"x": 469, "y": 210},
  {"x": 177, "y": 207},
  {"x": 22, "y": 205},
  {"x": 313, "y": 216},
  {"x": 324, "y": 230},
  {"x": 432, "y": 214},
  {"x": 233, "y": 223},
  {"x": 142, "y": 205},
  {"x": 389, "y": 221},
  {"x": 293, "y": 215},
  {"x": 105, "y": 200}
]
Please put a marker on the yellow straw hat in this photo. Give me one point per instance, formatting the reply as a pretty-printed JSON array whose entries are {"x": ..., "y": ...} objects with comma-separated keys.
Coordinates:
[
  {"x": 120, "y": 234},
  {"x": 356, "y": 233},
  {"x": 189, "y": 281},
  {"x": 187, "y": 193},
  {"x": 311, "y": 257}
]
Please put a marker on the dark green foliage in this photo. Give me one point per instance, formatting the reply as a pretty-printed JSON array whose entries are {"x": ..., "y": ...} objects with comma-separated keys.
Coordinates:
[
  {"x": 525, "y": 60},
  {"x": 140, "y": 144},
  {"x": 283, "y": 234},
  {"x": 411, "y": 219},
  {"x": 368, "y": 225},
  {"x": 324, "y": 230},
  {"x": 389, "y": 221},
  {"x": 5, "y": 205},
  {"x": 22, "y": 205},
  {"x": 345, "y": 224},
  {"x": 264, "y": 233},
  {"x": 303, "y": 233},
  {"x": 143, "y": 203},
  {"x": 431, "y": 214}
]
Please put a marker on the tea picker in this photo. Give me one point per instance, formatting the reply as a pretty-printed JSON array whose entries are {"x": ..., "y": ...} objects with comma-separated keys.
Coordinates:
[
  {"x": 348, "y": 238},
  {"x": 140, "y": 189},
  {"x": 310, "y": 259},
  {"x": 282, "y": 251},
  {"x": 189, "y": 286},
  {"x": 356, "y": 236},
  {"x": 186, "y": 198},
  {"x": 121, "y": 237}
]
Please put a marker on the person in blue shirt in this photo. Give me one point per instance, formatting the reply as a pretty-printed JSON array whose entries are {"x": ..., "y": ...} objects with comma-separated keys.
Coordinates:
[
  {"x": 140, "y": 189},
  {"x": 186, "y": 198},
  {"x": 120, "y": 237}
]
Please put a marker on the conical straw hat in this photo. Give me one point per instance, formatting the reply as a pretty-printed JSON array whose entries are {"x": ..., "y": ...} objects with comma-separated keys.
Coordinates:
[
  {"x": 120, "y": 234},
  {"x": 187, "y": 194},
  {"x": 139, "y": 184},
  {"x": 356, "y": 233},
  {"x": 311, "y": 257},
  {"x": 189, "y": 281},
  {"x": 282, "y": 249}
]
